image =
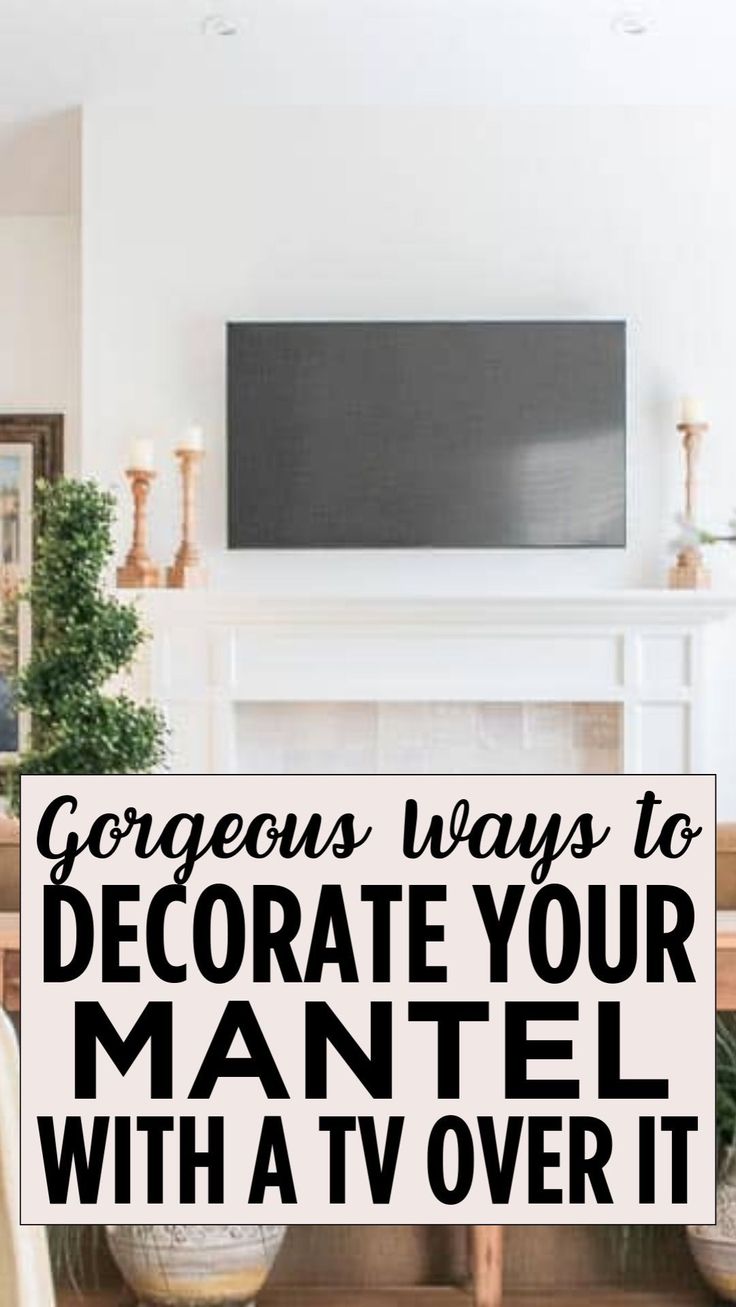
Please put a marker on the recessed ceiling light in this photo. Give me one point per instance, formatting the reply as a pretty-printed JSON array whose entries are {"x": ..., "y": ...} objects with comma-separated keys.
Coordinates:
[
  {"x": 630, "y": 22},
  {"x": 219, "y": 25}
]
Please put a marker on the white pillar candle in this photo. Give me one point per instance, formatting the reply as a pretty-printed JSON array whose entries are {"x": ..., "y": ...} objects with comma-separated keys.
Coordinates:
[
  {"x": 691, "y": 411},
  {"x": 192, "y": 439},
  {"x": 141, "y": 455}
]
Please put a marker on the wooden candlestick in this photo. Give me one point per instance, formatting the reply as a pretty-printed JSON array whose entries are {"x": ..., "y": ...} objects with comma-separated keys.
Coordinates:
[
  {"x": 689, "y": 571},
  {"x": 138, "y": 571},
  {"x": 187, "y": 570}
]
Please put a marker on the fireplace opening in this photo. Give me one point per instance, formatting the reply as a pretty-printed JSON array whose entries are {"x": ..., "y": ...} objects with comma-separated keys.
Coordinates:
[{"x": 424, "y": 737}]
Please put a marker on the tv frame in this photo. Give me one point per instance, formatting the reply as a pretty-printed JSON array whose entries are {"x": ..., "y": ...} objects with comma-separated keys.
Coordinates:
[{"x": 521, "y": 548}]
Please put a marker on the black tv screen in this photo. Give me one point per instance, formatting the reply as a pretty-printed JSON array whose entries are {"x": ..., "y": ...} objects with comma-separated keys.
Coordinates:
[{"x": 470, "y": 435}]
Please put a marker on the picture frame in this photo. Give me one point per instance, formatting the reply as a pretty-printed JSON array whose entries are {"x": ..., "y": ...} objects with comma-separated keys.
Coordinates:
[{"x": 31, "y": 449}]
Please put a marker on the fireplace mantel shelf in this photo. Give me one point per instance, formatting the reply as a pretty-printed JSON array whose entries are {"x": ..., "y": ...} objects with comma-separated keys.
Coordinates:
[{"x": 544, "y": 610}]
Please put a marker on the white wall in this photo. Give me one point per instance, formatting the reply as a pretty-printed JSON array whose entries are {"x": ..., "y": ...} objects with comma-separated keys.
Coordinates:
[
  {"x": 39, "y": 327},
  {"x": 40, "y": 345},
  {"x": 195, "y": 217}
]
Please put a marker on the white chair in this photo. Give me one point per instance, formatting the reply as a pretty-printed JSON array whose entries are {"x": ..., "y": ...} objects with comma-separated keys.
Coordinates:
[{"x": 25, "y": 1270}]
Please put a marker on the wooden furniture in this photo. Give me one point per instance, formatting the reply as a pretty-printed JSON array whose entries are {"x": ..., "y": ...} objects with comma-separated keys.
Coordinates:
[
  {"x": 726, "y": 858},
  {"x": 726, "y": 982},
  {"x": 423, "y": 1296},
  {"x": 105, "y": 1298},
  {"x": 10, "y": 961},
  {"x": 485, "y": 1241},
  {"x": 447, "y": 1296},
  {"x": 9, "y": 865}
]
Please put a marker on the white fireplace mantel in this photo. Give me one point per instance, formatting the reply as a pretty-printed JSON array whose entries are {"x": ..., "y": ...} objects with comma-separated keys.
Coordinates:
[{"x": 647, "y": 650}]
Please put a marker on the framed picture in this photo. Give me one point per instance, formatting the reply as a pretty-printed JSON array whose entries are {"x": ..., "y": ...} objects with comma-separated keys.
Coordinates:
[{"x": 31, "y": 447}]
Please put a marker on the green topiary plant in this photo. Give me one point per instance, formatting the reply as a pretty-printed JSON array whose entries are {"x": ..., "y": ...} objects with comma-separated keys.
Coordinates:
[{"x": 81, "y": 637}]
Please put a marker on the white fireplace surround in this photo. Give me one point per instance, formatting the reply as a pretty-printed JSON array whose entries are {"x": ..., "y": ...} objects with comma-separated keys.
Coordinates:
[{"x": 648, "y": 651}]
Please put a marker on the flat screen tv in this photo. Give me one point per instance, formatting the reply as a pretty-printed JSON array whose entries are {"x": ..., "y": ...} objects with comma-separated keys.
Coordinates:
[{"x": 449, "y": 435}]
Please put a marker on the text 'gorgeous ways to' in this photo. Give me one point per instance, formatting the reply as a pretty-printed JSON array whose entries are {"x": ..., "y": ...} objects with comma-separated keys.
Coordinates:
[{"x": 368, "y": 998}]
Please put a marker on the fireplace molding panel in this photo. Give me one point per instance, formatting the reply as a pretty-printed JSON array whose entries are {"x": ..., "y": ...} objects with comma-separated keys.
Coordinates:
[{"x": 651, "y": 652}]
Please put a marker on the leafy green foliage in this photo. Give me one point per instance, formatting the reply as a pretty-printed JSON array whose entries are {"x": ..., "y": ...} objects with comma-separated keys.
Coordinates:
[
  {"x": 77, "y": 1252},
  {"x": 726, "y": 1082},
  {"x": 637, "y": 1243},
  {"x": 82, "y": 637}
]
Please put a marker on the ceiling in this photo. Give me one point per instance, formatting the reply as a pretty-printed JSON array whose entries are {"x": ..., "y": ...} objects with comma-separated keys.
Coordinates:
[{"x": 58, "y": 53}]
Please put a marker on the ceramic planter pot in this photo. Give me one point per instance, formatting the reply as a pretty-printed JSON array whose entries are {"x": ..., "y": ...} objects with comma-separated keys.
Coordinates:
[
  {"x": 714, "y": 1246},
  {"x": 195, "y": 1265}
]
